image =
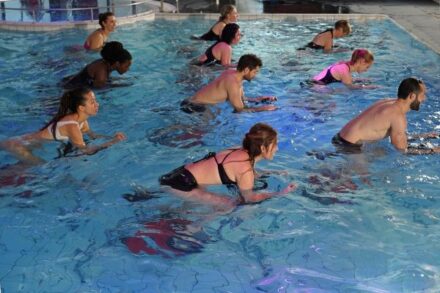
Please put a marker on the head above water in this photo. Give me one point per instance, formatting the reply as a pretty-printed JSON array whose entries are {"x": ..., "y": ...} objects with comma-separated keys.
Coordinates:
[
  {"x": 70, "y": 102},
  {"x": 412, "y": 88},
  {"x": 361, "y": 54},
  {"x": 114, "y": 52},
  {"x": 249, "y": 61},
  {"x": 259, "y": 138},
  {"x": 226, "y": 11},
  {"x": 229, "y": 33},
  {"x": 103, "y": 17},
  {"x": 343, "y": 26}
]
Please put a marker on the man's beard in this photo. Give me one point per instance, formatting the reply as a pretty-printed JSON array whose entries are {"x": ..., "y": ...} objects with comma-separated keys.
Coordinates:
[{"x": 415, "y": 105}]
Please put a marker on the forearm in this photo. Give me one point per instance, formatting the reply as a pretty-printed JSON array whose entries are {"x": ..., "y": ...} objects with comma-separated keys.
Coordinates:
[{"x": 423, "y": 135}]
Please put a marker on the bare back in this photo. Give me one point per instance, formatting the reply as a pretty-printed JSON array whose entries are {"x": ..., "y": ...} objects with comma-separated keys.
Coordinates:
[
  {"x": 235, "y": 163},
  {"x": 225, "y": 87},
  {"x": 379, "y": 121}
]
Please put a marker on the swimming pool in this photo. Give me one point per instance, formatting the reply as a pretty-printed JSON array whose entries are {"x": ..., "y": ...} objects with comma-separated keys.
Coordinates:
[{"x": 66, "y": 226}]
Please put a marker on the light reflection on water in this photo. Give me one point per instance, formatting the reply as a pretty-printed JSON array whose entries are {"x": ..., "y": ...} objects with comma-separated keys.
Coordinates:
[{"x": 67, "y": 220}]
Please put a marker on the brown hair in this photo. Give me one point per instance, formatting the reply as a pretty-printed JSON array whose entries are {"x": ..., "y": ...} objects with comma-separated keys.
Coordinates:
[
  {"x": 346, "y": 28},
  {"x": 359, "y": 54},
  {"x": 259, "y": 135}
]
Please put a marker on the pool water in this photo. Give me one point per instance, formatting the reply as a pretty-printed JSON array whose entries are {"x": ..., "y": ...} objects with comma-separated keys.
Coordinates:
[{"x": 96, "y": 224}]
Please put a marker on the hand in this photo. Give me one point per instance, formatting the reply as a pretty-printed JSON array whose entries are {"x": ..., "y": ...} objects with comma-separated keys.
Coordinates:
[
  {"x": 268, "y": 108},
  {"x": 268, "y": 99},
  {"x": 119, "y": 136},
  {"x": 432, "y": 135},
  {"x": 291, "y": 187}
]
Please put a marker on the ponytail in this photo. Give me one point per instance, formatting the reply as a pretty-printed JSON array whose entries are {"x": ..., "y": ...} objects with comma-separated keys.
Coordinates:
[{"x": 69, "y": 103}]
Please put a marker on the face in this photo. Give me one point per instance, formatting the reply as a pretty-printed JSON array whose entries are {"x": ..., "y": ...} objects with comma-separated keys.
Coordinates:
[
  {"x": 123, "y": 67},
  {"x": 363, "y": 65},
  {"x": 110, "y": 23},
  {"x": 250, "y": 74},
  {"x": 236, "y": 38},
  {"x": 415, "y": 105},
  {"x": 269, "y": 152},
  {"x": 233, "y": 16},
  {"x": 91, "y": 106}
]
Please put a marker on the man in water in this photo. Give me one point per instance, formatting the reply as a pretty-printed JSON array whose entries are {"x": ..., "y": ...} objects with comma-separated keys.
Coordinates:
[
  {"x": 387, "y": 118},
  {"x": 229, "y": 86}
]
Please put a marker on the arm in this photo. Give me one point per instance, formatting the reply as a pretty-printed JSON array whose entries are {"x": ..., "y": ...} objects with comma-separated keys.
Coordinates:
[
  {"x": 86, "y": 130},
  {"x": 100, "y": 76},
  {"x": 427, "y": 135},
  {"x": 96, "y": 41},
  {"x": 76, "y": 137},
  {"x": 328, "y": 45},
  {"x": 246, "y": 182},
  {"x": 398, "y": 133},
  {"x": 262, "y": 99},
  {"x": 225, "y": 55},
  {"x": 428, "y": 151}
]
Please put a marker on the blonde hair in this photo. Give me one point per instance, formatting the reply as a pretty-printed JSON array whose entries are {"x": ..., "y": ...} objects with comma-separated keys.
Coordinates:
[
  {"x": 225, "y": 10},
  {"x": 359, "y": 54},
  {"x": 344, "y": 25}
]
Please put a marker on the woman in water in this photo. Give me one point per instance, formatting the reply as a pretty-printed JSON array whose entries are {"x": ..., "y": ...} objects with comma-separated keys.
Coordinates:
[
  {"x": 324, "y": 40},
  {"x": 96, "y": 40},
  {"x": 228, "y": 14},
  {"x": 221, "y": 51},
  {"x": 231, "y": 166},
  {"x": 68, "y": 125},
  {"x": 361, "y": 61},
  {"x": 97, "y": 73}
]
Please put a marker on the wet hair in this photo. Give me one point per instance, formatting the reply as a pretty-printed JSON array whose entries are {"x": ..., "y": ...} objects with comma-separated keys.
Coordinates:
[
  {"x": 359, "y": 54},
  {"x": 344, "y": 25},
  {"x": 114, "y": 52},
  {"x": 225, "y": 10},
  {"x": 228, "y": 33},
  {"x": 250, "y": 61},
  {"x": 408, "y": 86},
  {"x": 69, "y": 103},
  {"x": 259, "y": 135},
  {"x": 103, "y": 17}
]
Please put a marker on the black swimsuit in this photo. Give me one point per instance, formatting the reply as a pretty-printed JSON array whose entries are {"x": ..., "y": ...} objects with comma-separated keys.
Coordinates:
[
  {"x": 210, "y": 36},
  {"x": 315, "y": 46},
  {"x": 83, "y": 78},
  {"x": 210, "y": 59},
  {"x": 344, "y": 146},
  {"x": 184, "y": 180}
]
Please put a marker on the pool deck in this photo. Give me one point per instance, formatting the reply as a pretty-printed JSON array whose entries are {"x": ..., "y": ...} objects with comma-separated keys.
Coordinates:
[{"x": 420, "y": 18}]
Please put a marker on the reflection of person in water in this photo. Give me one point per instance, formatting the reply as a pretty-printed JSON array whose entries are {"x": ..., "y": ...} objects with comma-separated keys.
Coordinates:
[
  {"x": 96, "y": 40},
  {"x": 229, "y": 167},
  {"x": 228, "y": 14},
  {"x": 68, "y": 125},
  {"x": 167, "y": 237},
  {"x": 97, "y": 73}
]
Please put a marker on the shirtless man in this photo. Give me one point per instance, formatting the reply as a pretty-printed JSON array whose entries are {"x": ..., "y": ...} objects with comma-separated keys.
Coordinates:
[
  {"x": 387, "y": 118},
  {"x": 229, "y": 86}
]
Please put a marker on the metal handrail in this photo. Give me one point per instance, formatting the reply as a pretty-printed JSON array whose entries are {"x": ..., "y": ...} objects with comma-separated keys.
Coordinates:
[
  {"x": 84, "y": 8},
  {"x": 113, "y": 7}
]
